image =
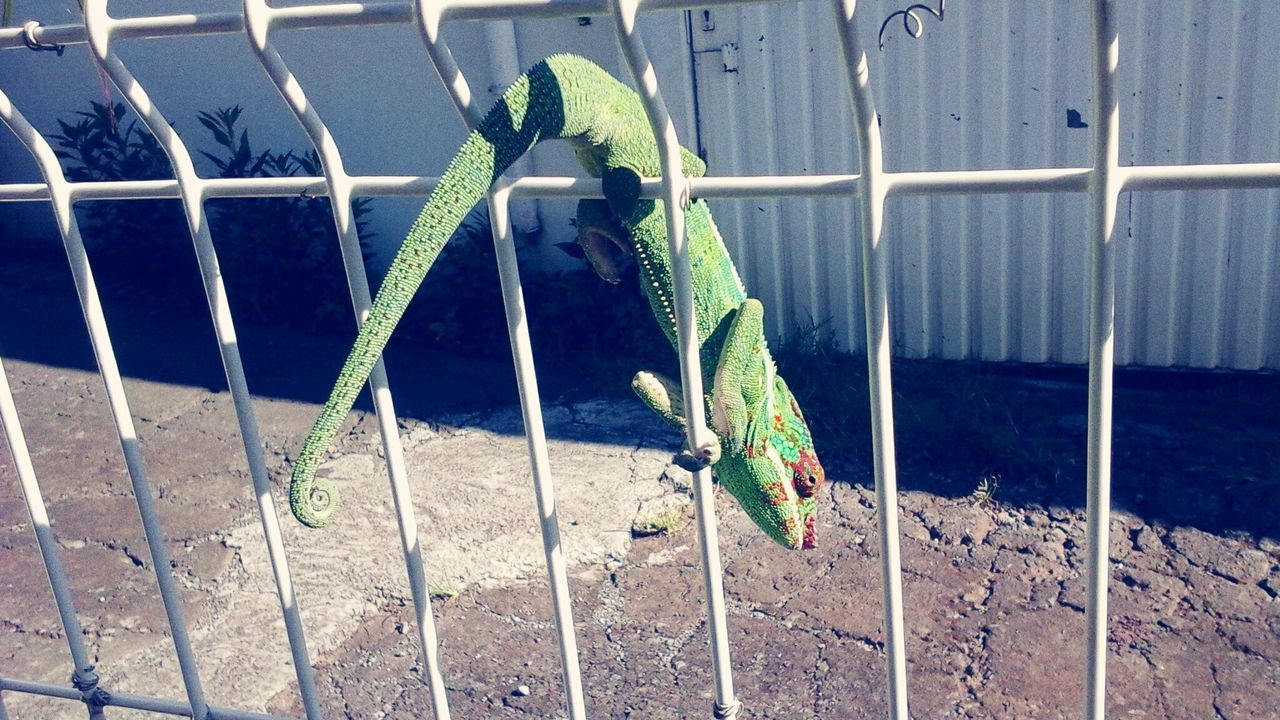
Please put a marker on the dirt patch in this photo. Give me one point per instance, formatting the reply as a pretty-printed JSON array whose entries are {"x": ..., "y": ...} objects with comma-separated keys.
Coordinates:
[
  {"x": 991, "y": 516},
  {"x": 995, "y": 629}
]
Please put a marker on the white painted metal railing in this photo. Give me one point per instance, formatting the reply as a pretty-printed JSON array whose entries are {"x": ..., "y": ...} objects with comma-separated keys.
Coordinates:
[{"x": 872, "y": 187}]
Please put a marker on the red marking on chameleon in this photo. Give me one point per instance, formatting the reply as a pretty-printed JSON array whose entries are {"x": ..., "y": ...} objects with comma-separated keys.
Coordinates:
[
  {"x": 789, "y": 526},
  {"x": 776, "y": 494},
  {"x": 810, "y": 540},
  {"x": 795, "y": 408}
]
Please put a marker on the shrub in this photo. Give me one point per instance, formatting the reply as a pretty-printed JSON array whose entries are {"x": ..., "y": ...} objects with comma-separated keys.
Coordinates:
[{"x": 263, "y": 243}]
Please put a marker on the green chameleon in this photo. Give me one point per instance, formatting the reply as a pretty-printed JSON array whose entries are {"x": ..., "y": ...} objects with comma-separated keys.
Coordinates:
[{"x": 763, "y": 453}]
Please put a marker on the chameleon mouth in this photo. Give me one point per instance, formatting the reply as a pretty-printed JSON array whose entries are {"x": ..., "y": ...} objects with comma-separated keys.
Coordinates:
[
  {"x": 810, "y": 535},
  {"x": 604, "y": 252}
]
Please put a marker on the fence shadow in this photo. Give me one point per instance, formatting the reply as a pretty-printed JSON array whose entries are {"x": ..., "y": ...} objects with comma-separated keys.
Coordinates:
[{"x": 1190, "y": 448}]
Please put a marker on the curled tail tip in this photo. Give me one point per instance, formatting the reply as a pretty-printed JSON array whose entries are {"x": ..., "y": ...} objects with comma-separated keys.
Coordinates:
[{"x": 314, "y": 501}]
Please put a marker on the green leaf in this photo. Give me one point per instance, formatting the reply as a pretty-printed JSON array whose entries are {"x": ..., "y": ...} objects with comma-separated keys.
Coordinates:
[
  {"x": 244, "y": 145},
  {"x": 217, "y": 161},
  {"x": 256, "y": 170},
  {"x": 208, "y": 121},
  {"x": 221, "y": 137},
  {"x": 308, "y": 163}
]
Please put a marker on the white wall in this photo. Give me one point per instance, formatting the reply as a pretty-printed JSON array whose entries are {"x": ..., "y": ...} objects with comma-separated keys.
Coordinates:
[
  {"x": 993, "y": 278},
  {"x": 1003, "y": 278},
  {"x": 373, "y": 86}
]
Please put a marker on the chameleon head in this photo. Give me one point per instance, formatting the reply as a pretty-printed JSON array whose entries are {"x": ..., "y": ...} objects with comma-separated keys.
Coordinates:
[{"x": 776, "y": 477}]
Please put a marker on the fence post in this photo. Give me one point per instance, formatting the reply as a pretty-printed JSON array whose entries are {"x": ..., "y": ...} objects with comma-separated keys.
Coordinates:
[
  {"x": 873, "y": 189},
  {"x": 675, "y": 197},
  {"x": 1104, "y": 192},
  {"x": 84, "y": 679},
  {"x": 258, "y": 18},
  {"x": 428, "y": 15},
  {"x": 100, "y": 28}
]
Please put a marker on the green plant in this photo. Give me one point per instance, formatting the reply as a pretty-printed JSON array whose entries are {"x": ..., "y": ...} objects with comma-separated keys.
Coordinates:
[
  {"x": 270, "y": 240},
  {"x": 986, "y": 490},
  {"x": 443, "y": 593},
  {"x": 99, "y": 146},
  {"x": 263, "y": 243},
  {"x": 663, "y": 522}
]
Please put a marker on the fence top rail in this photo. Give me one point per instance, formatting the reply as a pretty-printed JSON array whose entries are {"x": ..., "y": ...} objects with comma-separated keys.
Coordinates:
[{"x": 338, "y": 15}]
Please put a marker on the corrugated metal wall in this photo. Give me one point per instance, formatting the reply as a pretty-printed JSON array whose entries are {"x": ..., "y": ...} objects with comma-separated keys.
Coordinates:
[
  {"x": 993, "y": 86},
  {"x": 1006, "y": 85}
]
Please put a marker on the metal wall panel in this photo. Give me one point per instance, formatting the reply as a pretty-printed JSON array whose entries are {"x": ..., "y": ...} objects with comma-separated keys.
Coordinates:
[
  {"x": 992, "y": 86},
  {"x": 1006, "y": 85}
]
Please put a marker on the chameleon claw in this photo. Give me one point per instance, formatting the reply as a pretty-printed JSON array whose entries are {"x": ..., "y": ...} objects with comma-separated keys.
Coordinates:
[{"x": 702, "y": 457}]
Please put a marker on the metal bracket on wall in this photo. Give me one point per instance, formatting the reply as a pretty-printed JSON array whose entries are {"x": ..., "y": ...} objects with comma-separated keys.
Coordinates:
[
  {"x": 729, "y": 56},
  {"x": 911, "y": 21}
]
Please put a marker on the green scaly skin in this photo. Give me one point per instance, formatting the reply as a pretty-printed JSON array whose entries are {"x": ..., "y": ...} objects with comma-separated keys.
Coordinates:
[{"x": 764, "y": 454}]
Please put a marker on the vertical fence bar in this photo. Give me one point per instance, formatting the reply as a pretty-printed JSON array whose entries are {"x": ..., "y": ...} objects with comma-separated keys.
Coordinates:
[
  {"x": 83, "y": 677},
  {"x": 675, "y": 191},
  {"x": 127, "y": 434},
  {"x": 1104, "y": 191},
  {"x": 873, "y": 186},
  {"x": 258, "y": 17},
  {"x": 535, "y": 434},
  {"x": 99, "y": 27},
  {"x": 428, "y": 18}
]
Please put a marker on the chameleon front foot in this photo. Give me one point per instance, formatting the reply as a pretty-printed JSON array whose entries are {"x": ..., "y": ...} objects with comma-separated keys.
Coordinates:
[{"x": 704, "y": 456}]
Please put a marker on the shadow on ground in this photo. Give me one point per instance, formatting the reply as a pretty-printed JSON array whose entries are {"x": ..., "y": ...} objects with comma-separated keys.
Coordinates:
[
  {"x": 1190, "y": 448},
  {"x": 990, "y": 464}
]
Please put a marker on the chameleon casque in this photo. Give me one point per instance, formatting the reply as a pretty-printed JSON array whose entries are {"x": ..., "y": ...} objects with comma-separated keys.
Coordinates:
[{"x": 764, "y": 456}]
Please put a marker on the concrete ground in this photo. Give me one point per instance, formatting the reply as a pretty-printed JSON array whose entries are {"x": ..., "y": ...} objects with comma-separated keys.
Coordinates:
[{"x": 994, "y": 588}]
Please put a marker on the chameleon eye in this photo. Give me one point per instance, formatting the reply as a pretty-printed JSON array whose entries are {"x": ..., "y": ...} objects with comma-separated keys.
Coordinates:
[{"x": 807, "y": 475}]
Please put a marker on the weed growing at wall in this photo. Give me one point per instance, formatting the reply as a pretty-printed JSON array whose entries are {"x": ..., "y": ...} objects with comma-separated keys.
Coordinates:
[{"x": 266, "y": 246}]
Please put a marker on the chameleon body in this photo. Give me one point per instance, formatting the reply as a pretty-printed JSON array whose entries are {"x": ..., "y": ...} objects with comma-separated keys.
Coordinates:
[{"x": 764, "y": 455}]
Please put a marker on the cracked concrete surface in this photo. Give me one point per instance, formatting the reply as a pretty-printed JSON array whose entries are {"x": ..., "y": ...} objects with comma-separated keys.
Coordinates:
[
  {"x": 476, "y": 511},
  {"x": 994, "y": 629},
  {"x": 994, "y": 590}
]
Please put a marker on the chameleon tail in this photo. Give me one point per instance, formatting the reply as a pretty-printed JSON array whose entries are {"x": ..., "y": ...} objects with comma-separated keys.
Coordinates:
[{"x": 532, "y": 109}]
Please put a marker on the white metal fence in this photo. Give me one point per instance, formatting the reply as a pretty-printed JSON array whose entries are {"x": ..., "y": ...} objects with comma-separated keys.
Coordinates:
[{"x": 1103, "y": 182}]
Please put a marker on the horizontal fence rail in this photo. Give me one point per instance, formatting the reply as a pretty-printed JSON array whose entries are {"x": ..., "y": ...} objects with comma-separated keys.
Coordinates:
[
  {"x": 1104, "y": 181},
  {"x": 1219, "y": 176}
]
